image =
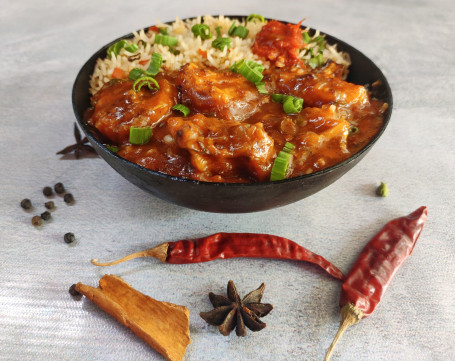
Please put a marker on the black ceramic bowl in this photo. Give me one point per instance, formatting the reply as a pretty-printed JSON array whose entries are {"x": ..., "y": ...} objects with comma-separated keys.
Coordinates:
[{"x": 232, "y": 197}]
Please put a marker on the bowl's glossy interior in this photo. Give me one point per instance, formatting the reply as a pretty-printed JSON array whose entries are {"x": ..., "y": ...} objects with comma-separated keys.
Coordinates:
[{"x": 232, "y": 197}]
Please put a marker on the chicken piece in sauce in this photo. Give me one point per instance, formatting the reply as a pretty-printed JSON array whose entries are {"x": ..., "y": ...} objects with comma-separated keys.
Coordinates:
[
  {"x": 117, "y": 107},
  {"x": 218, "y": 93},
  {"x": 317, "y": 87},
  {"x": 224, "y": 147}
]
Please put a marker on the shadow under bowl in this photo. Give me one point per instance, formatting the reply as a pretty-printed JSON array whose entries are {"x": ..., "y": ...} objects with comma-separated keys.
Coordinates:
[{"x": 233, "y": 197}]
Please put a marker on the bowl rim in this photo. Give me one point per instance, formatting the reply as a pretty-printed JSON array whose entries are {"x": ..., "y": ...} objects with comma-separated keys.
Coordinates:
[{"x": 352, "y": 158}]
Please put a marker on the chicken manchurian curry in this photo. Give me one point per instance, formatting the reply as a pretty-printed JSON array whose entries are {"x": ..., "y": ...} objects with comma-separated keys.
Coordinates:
[{"x": 234, "y": 131}]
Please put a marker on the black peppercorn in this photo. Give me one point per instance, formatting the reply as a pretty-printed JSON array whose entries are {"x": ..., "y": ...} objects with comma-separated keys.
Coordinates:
[
  {"x": 49, "y": 205},
  {"x": 69, "y": 237},
  {"x": 73, "y": 291},
  {"x": 26, "y": 203},
  {"x": 45, "y": 215},
  {"x": 68, "y": 198},
  {"x": 47, "y": 191},
  {"x": 59, "y": 188},
  {"x": 37, "y": 221}
]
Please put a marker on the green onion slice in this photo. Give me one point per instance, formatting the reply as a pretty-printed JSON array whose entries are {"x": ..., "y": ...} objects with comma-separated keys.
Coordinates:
[
  {"x": 218, "y": 31},
  {"x": 181, "y": 108},
  {"x": 320, "y": 41},
  {"x": 136, "y": 73},
  {"x": 115, "y": 48},
  {"x": 281, "y": 163},
  {"x": 132, "y": 48},
  {"x": 221, "y": 43},
  {"x": 232, "y": 28},
  {"x": 155, "y": 64},
  {"x": 249, "y": 69},
  {"x": 166, "y": 40},
  {"x": 112, "y": 148},
  {"x": 201, "y": 30},
  {"x": 306, "y": 37},
  {"x": 260, "y": 85},
  {"x": 254, "y": 17},
  {"x": 140, "y": 135},
  {"x": 291, "y": 104},
  {"x": 316, "y": 61},
  {"x": 163, "y": 31},
  {"x": 239, "y": 31},
  {"x": 151, "y": 83}
]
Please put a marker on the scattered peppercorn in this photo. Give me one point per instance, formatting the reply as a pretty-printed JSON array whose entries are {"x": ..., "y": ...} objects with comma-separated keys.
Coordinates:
[
  {"x": 68, "y": 198},
  {"x": 47, "y": 191},
  {"x": 382, "y": 190},
  {"x": 49, "y": 205},
  {"x": 73, "y": 291},
  {"x": 26, "y": 203},
  {"x": 69, "y": 237},
  {"x": 59, "y": 188},
  {"x": 46, "y": 215},
  {"x": 37, "y": 221}
]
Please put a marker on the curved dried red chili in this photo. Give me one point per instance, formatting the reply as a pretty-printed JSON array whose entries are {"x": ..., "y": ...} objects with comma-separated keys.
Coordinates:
[
  {"x": 232, "y": 245},
  {"x": 375, "y": 268}
]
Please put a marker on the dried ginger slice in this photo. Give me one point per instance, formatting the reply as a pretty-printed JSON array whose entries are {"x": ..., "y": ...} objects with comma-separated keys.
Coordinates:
[{"x": 164, "y": 326}]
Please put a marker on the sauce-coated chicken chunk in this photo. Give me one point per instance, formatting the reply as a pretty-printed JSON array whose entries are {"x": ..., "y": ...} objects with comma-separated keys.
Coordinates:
[
  {"x": 221, "y": 94},
  {"x": 224, "y": 147},
  {"x": 117, "y": 107}
]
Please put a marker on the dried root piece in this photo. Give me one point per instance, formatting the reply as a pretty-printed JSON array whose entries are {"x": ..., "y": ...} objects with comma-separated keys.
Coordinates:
[{"x": 164, "y": 326}]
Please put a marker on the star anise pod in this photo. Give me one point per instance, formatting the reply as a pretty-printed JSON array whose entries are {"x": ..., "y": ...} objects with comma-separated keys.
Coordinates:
[
  {"x": 232, "y": 312},
  {"x": 80, "y": 146}
]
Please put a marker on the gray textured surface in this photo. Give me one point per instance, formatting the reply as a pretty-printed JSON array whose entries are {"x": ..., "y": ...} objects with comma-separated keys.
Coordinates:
[{"x": 43, "y": 46}]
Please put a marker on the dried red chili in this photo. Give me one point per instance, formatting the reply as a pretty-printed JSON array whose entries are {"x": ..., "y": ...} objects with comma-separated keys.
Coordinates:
[
  {"x": 231, "y": 245},
  {"x": 375, "y": 268}
]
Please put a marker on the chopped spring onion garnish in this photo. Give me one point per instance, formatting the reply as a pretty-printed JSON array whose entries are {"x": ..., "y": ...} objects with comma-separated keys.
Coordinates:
[
  {"x": 151, "y": 83},
  {"x": 260, "y": 85},
  {"x": 291, "y": 104},
  {"x": 316, "y": 61},
  {"x": 140, "y": 135},
  {"x": 306, "y": 37},
  {"x": 136, "y": 73},
  {"x": 163, "y": 31},
  {"x": 254, "y": 17},
  {"x": 112, "y": 148},
  {"x": 132, "y": 48},
  {"x": 181, "y": 108},
  {"x": 320, "y": 41},
  {"x": 155, "y": 64},
  {"x": 166, "y": 40},
  {"x": 281, "y": 163},
  {"x": 221, "y": 43},
  {"x": 152, "y": 70},
  {"x": 249, "y": 69},
  {"x": 115, "y": 48},
  {"x": 201, "y": 30},
  {"x": 239, "y": 31}
]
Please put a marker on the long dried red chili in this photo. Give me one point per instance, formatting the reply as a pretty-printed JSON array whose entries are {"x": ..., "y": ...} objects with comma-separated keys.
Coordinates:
[
  {"x": 375, "y": 268},
  {"x": 231, "y": 245}
]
